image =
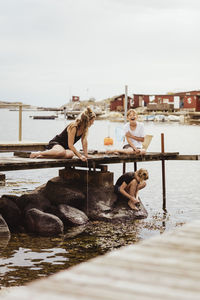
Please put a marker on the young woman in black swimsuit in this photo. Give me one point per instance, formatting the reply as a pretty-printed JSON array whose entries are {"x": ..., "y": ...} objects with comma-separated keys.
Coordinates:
[{"x": 62, "y": 145}]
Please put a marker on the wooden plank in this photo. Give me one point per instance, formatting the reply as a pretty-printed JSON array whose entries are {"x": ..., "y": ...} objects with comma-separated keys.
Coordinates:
[
  {"x": 16, "y": 163},
  {"x": 12, "y": 146},
  {"x": 187, "y": 157}
]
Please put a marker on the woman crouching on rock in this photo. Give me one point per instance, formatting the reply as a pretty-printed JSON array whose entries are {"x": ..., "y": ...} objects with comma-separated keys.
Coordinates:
[{"x": 62, "y": 145}]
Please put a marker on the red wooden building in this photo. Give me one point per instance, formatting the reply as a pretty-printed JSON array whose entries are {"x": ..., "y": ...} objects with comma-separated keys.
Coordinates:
[
  {"x": 140, "y": 100},
  {"x": 185, "y": 100},
  {"x": 117, "y": 103},
  {"x": 189, "y": 100}
]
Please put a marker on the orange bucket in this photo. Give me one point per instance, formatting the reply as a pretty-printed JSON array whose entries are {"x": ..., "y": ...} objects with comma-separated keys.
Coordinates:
[{"x": 108, "y": 141}]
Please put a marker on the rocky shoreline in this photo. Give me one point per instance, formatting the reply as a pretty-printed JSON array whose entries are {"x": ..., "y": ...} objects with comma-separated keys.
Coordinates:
[{"x": 64, "y": 202}]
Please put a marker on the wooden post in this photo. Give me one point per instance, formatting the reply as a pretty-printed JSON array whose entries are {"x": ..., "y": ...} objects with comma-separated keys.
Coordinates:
[
  {"x": 2, "y": 178},
  {"x": 124, "y": 167},
  {"x": 94, "y": 166},
  {"x": 125, "y": 103},
  {"x": 163, "y": 173},
  {"x": 125, "y": 113},
  {"x": 20, "y": 122}
]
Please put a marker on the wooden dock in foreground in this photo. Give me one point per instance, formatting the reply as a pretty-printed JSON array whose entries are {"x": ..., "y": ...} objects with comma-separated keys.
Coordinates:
[{"x": 164, "y": 267}]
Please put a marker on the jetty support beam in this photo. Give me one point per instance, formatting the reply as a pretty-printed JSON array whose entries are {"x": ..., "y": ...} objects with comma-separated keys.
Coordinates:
[
  {"x": 163, "y": 173},
  {"x": 98, "y": 178}
]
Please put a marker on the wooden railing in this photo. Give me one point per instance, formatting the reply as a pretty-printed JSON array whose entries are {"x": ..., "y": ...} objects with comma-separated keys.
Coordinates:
[{"x": 19, "y": 105}]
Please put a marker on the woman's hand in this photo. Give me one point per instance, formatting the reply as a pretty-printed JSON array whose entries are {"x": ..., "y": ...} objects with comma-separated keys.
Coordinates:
[
  {"x": 83, "y": 158},
  {"x": 137, "y": 150}
]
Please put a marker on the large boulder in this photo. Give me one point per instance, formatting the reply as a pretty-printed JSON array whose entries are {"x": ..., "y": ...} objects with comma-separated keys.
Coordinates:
[
  {"x": 104, "y": 205},
  {"x": 72, "y": 216},
  {"x": 100, "y": 202},
  {"x": 4, "y": 230},
  {"x": 122, "y": 211},
  {"x": 4, "y": 233},
  {"x": 35, "y": 199},
  {"x": 43, "y": 223},
  {"x": 10, "y": 212},
  {"x": 58, "y": 191}
]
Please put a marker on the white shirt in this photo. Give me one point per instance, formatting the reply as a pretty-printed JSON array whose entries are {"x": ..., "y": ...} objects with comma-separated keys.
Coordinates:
[{"x": 139, "y": 132}]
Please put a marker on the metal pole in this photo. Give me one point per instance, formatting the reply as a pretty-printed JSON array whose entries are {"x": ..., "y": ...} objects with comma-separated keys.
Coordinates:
[
  {"x": 163, "y": 173},
  {"x": 124, "y": 167},
  {"x": 125, "y": 103},
  {"x": 20, "y": 122},
  {"x": 125, "y": 113}
]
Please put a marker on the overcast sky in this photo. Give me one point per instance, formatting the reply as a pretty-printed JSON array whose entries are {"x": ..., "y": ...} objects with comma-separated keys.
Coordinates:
[{"x": 53, "y": 49}]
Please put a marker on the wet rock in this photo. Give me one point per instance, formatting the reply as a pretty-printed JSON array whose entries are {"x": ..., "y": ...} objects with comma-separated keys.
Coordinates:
[
  {"x": 74, "y": 231},
  {"x": 100, "y": 202},
  {"x": 124, "y": 212},
  {"x": 103, "y": 205},
  {"x": 4, "y": 230},
  {"x": 34, "y": 199},
  {"x": 4, "y": 233},
  {"x": 59, "y": 191},
  {"x": 10, "y": 212},
  {"x": 72, "y": 216},
  {"x": 43, "y": 223}
]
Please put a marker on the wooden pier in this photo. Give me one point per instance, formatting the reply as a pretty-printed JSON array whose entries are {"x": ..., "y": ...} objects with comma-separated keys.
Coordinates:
[
  {"x": 164, "y": 267},
  {"x": 22, "y": 146},
  {"x": 96, "y": 161},
  {"x": 11, "y": 163},
  {"x": 22, "y": 163}
]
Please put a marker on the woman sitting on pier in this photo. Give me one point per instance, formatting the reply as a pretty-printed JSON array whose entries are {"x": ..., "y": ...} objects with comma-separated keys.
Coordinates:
[
  {"x": 62, "y": 145},
  {"x": 134, "y": 135},
  {"x": 129, "y": 184}
]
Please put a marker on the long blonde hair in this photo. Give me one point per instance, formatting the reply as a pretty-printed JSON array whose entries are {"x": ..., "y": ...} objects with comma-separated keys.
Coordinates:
[{"x": 83, "y": 120}]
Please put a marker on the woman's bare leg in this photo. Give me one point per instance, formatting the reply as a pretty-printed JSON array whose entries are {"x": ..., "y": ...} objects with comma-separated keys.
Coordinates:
[
  {"x": 132, "y": 190},
  {"x": 140, "y": 186},
  {"x": 122, "y": 151},
  {"x": 69, "y": 153},
  {"x": 56, "y": 152}
]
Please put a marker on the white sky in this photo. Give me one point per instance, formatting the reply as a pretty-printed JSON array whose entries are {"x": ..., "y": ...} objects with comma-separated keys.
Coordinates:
[{"x": 53, "y": 49}]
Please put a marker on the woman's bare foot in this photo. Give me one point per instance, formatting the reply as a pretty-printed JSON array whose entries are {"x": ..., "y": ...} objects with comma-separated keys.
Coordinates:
[
  {"x": 35, "y": 154},
  {"x": 132, "y": 205},
  {"x": 137, "y": 202}
]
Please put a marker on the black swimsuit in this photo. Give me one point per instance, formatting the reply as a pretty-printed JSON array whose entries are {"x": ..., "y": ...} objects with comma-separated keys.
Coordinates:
[{"x": 62, "y": 140}]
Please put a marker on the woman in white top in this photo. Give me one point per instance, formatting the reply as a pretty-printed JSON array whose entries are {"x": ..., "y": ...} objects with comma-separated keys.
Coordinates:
[{"x": 134, "y": 135}]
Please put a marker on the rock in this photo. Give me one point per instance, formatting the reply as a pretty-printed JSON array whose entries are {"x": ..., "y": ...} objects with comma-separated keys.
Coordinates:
[
  {"x": 124, "y": 212},
  {"x": 72, "y": 216},
  {"x": 10, "y": 212},
  {"x": 4, "y": 233},
  {"x": 74, "y": 231},
  {"x": 103, "y": 205},
  {"x": 34, "y": 199},
  {"x": 43, "y": 223},
  {"x": 100, "y": 202},
  {"x": 4, "y": 230},
  {"x": 59, "y": 192}
]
